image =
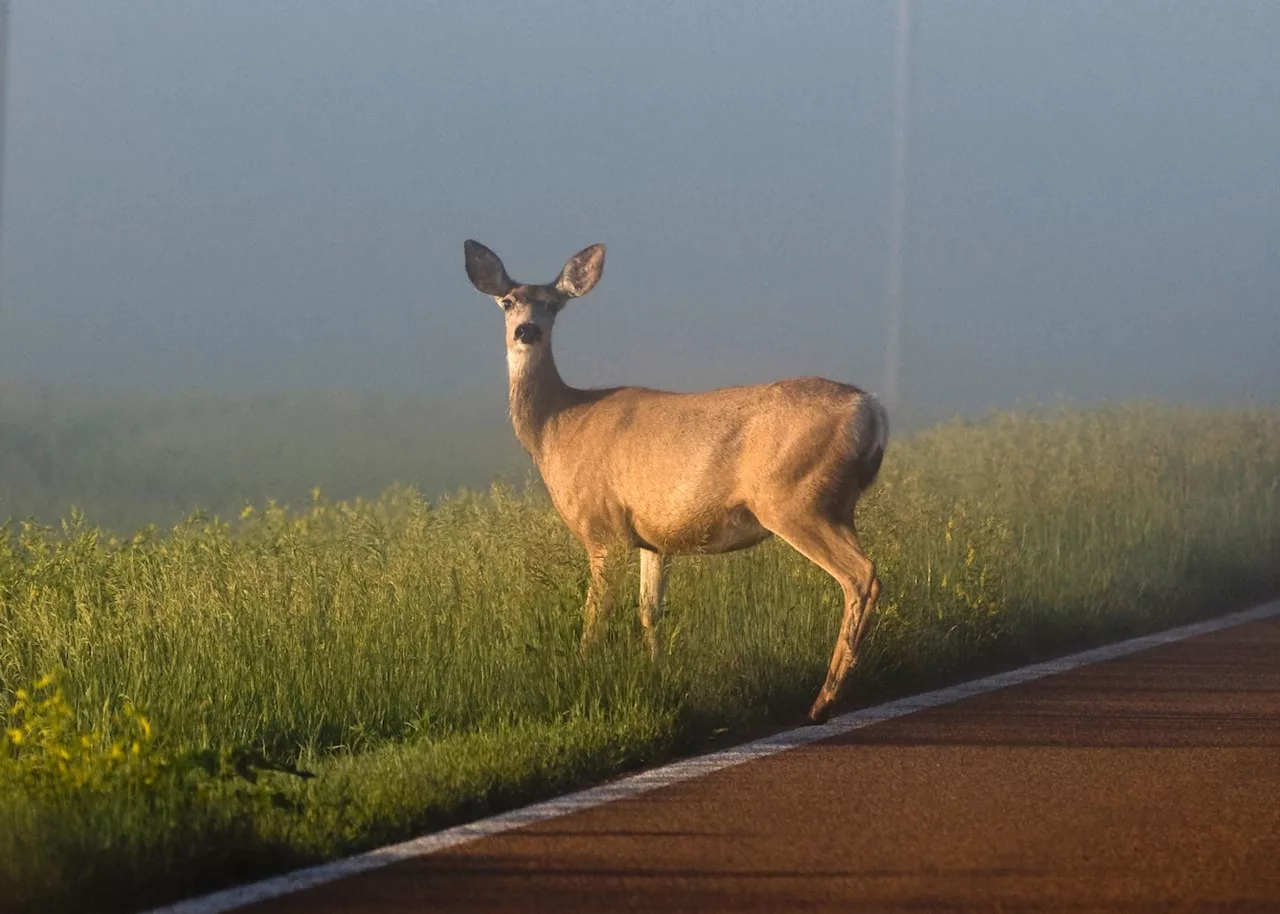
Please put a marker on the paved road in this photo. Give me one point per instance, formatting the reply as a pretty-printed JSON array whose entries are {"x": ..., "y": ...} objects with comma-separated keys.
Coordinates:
[{"x": 1148, "y": 783}]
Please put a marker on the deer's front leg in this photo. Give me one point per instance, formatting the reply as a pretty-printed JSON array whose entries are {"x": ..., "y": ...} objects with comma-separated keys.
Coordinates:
[
  {"x": 653, "y": 587},
  {"x": 599, "y": 596}
]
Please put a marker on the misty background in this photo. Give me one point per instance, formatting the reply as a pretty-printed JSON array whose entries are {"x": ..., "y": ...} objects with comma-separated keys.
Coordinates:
[{"x": 235, "y": 228}]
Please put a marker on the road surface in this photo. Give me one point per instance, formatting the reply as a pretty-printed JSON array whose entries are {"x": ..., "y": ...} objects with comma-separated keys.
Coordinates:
[{"x": 1146, "y": 783}]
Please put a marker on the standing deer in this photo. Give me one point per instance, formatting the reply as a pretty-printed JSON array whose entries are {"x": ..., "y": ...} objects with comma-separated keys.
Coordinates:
[{"x": 680, "y": 473}]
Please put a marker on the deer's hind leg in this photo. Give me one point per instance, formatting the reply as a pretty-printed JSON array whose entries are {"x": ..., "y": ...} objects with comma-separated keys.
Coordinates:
[
  {"x": 653, "y": 588},
  {"x": 833, "y": 546}
]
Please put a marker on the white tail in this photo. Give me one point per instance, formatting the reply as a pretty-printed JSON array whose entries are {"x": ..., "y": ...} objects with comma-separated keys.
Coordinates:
[{"x": 678, "y": 473}]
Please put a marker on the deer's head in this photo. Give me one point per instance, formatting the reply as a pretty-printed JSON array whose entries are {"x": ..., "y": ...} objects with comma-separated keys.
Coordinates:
[{"x": 531, "y": 310}]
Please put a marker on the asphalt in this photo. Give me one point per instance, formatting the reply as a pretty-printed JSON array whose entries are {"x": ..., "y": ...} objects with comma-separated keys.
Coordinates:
[{"x": 1147, "y": 783}]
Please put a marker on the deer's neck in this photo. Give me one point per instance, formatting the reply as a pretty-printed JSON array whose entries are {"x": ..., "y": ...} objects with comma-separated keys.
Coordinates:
[{"x": 537, "y": 394}]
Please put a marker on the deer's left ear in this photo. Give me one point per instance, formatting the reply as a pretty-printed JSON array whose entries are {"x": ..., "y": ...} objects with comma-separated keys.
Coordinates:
[
  {"x": 485, "y": 270},
  {"x": 582, "y": 272}
]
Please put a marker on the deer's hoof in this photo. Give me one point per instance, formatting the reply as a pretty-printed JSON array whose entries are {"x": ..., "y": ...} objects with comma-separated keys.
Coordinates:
[{"x": 820, "y": 711}]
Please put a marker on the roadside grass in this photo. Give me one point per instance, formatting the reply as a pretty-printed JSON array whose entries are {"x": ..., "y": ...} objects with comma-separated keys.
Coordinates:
[{"x": 421, "y": 660}]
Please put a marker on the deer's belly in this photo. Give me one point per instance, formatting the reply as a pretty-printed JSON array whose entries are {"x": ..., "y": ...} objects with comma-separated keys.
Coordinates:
[{"x": 728, "y": 532}]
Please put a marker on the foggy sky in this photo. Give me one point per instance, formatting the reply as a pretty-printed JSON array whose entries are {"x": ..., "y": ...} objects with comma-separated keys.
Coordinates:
[{"x": 266, "y": 196}]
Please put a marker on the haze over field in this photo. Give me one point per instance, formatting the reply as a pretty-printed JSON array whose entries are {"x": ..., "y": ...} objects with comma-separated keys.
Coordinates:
[
  {"x": 248, "y": 196},
  {"x": 254, "y": 198}
]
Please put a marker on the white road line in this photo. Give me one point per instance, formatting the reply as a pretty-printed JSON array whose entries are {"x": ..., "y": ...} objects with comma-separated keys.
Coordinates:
[{"x": 288, "y": 883}]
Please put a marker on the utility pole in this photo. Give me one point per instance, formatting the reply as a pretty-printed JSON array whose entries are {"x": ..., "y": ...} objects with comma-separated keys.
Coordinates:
[{"x": 898, "y": 203}]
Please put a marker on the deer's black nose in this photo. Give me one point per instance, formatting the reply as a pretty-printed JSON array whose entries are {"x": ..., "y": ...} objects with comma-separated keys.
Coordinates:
[{"x": 528, "y": 333}]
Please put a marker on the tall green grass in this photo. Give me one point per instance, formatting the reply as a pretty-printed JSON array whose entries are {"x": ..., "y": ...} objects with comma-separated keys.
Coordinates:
[{"x": 421, "y": 659}]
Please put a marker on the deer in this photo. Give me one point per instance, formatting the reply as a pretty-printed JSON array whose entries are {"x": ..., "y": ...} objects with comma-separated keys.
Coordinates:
[{"x": 672, "y": 474}]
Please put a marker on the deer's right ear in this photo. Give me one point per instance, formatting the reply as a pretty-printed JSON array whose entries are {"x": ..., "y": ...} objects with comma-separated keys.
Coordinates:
[{"x": 485, "y": 270}]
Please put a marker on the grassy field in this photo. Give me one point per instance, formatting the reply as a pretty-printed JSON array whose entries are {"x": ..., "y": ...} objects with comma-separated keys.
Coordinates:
[{"x": 418, "y": 662}]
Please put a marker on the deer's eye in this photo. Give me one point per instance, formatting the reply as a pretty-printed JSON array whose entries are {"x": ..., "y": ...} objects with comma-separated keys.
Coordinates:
[{"x": 506, "y": 304}]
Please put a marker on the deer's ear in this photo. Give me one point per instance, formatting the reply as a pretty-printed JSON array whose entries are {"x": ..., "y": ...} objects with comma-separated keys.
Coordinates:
[
  {"x": 485, "y": 270},
  {"x": 582, "y": 272}
]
